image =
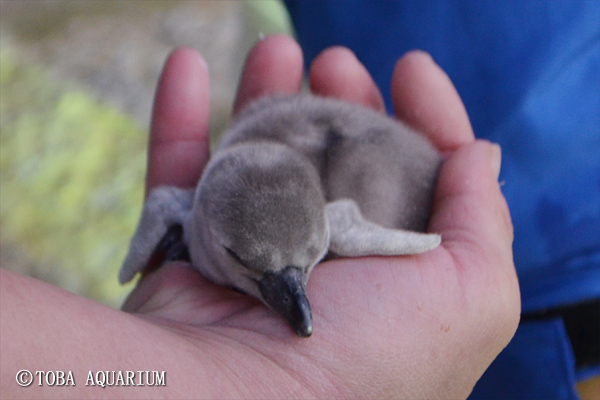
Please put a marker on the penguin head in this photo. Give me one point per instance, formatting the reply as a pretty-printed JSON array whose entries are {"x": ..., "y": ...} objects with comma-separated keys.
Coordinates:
[{"x": 260, "y": 227}]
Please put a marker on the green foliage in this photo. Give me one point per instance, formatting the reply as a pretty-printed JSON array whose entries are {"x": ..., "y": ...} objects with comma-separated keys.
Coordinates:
[
  {"x": 270, "y": 16},
  {"x": 72, "y": 172}
]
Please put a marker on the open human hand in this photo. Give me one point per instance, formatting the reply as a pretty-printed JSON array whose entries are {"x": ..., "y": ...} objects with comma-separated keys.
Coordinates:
[{"x": 410, "y": 326}]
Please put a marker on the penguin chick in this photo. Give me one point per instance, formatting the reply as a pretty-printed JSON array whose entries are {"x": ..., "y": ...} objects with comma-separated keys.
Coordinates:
[{"x": 295, "y": 178}]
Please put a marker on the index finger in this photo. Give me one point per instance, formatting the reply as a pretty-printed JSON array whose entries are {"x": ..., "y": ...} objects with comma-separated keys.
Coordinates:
[
  {"x": 425, "y": 98},
  {"x": 178, "y": 148}
]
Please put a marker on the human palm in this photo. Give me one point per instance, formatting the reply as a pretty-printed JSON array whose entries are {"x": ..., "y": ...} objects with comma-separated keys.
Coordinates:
[{"x": 410, "y": 326}]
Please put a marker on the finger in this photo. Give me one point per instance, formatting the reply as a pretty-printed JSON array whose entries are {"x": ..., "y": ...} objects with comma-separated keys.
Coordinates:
[
  {"x": 469, "y": 208},
  {"x": 424, "y": 97},
  {"x": 336, "y": 72},
  {"x": 274, "y": 66},
  {"x": 472, "y": 216},
  {"x": 178, "y": 148}
]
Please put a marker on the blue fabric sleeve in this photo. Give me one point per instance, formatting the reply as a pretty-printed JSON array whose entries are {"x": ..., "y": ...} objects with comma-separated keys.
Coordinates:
[{"x": 510, "y": 376}]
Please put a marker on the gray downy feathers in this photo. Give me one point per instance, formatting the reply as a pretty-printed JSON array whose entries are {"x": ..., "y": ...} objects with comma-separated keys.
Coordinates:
[{"x": 295, "y": 178}]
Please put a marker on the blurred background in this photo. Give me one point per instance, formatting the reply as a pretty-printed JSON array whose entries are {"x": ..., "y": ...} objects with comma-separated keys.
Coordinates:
[{"x": 77, "y": 80}]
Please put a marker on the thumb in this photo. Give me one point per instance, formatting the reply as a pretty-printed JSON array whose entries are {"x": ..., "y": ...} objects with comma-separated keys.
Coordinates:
[
  {"x": 472, "y": 216},
  {"x": 468, "y": 203}
]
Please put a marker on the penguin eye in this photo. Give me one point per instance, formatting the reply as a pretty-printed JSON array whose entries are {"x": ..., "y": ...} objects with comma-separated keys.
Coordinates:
[
  {"x": 245, "y": 270},
  {"x": 234, "y": 255}
]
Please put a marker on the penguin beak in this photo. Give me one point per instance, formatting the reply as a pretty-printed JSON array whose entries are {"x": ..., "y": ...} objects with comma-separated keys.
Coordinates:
[{"x": 285, "y": 292}]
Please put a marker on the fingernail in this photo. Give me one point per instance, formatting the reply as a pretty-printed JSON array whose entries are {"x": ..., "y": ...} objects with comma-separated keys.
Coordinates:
[{"x": 496, "y": 159}]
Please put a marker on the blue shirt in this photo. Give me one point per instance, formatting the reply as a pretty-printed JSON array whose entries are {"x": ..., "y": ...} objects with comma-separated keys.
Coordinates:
[{"x": 528, "y": 72}]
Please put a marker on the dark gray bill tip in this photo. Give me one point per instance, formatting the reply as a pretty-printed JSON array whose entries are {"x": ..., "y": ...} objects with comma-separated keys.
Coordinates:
[
  {"x": 284, "y": 291},
  {"x": 301, "y": 316}
]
